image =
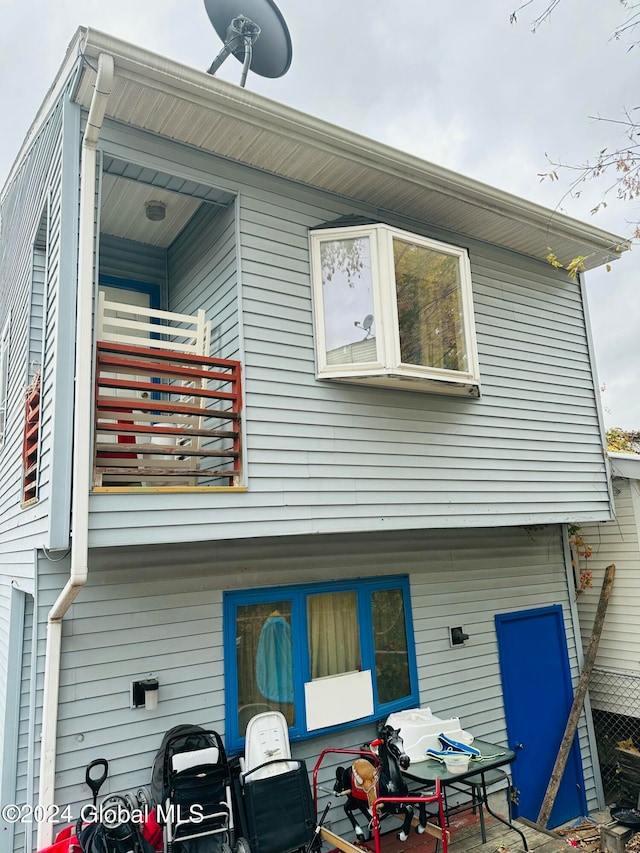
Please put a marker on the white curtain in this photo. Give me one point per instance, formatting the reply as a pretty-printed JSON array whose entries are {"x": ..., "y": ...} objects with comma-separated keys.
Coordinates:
[{"x": 334, "y": 642}]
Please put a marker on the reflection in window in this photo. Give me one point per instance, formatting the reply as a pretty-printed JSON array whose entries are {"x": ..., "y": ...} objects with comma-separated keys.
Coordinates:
[
  {"x": 390, "y": 644},
  {"x": 264, "y": 660},
  {"x": 430, "y": 317},
  {"x": 334, "y": 641},
  {"x": 347, "y": 289}
]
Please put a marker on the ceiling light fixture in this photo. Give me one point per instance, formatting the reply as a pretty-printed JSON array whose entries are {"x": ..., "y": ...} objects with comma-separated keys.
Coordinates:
[{"x": 155, "y": 210}]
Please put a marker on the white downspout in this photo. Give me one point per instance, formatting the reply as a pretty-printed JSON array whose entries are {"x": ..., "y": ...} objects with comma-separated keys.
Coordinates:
[{"x": 82, "y": 450}]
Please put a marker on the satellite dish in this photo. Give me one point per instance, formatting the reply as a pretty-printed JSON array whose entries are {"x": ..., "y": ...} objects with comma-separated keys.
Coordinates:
[
  {"x": 366, "y": 325},
  {"x": 255, "y": 32}
]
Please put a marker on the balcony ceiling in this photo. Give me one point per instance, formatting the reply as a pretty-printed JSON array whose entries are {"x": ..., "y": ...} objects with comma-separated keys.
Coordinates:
[{"x": 123, "y": 211}]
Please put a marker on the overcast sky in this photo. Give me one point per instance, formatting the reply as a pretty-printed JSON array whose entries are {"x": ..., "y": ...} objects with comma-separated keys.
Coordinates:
[{"x": 452, "y": 82}]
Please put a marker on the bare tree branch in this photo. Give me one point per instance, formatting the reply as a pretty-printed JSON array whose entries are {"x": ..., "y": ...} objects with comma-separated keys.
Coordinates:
[
  {"x": 513, "y": 17},
  {"x": 621, "y": 164}
]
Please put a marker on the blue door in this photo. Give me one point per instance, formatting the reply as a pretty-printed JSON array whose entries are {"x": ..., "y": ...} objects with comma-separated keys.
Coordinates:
[{"x": 536, "y": 684}]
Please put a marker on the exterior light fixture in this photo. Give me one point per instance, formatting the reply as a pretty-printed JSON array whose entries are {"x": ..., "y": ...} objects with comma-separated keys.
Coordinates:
[
  {"x": 155, "y": 210},
  {"x": 144, "y": 694},
  {"x": 457, "y": 636}
]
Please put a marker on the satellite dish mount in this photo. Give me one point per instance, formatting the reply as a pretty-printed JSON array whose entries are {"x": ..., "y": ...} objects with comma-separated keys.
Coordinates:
[
  {"x": 242, "y": 32},
  {"x": 255, "y": 33}
]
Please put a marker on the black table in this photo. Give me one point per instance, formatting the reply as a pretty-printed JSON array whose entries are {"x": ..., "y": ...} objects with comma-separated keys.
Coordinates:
[{"x": 493, "y": 758}]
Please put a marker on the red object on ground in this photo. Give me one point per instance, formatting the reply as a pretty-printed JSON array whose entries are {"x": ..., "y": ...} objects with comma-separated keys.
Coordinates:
[
  {"x": 67, "y": 841},
  {"x": 152, "y": 831}
]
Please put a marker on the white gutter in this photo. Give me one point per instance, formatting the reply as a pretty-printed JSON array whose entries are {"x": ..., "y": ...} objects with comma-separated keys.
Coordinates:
[
  {"x": 625, "y": 465},
  {"x": 81, "y": 444}
]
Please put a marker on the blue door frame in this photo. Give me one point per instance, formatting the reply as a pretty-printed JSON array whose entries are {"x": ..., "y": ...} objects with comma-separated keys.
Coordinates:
[
  {"x": 152, "y": 289},
  {"x": 148, "y": 287},
  {"x": 538, "y": 694}
]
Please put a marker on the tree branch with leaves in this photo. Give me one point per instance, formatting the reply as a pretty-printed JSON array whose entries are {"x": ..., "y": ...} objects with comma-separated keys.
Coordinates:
[{"x": 620, "y": 163}]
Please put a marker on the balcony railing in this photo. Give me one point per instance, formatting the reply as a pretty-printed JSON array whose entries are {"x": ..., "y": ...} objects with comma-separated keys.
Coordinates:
[
  {"x": 165, "y": 418},
  {"x": 31, "y": 442}
]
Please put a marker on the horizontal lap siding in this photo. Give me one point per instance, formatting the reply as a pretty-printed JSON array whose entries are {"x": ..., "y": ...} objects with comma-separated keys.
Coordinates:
[
  {"x": 323, "y": 456},
  {"x": 36, "y": 313},
  {"x": 24, "y": 796},
  {"x": 119, "y": 634},
  {"x": 34, "y": 191},
  {"x": 616, "y": 542},
  {"x": 132, "y": 260},
  {"x": 202, "y": 269},
  {"x": 54, "y": 326},
  {"x": 23, "y": 209},
  {"x": 160, "y": 612},
  {"x": 532, "y": 438}
]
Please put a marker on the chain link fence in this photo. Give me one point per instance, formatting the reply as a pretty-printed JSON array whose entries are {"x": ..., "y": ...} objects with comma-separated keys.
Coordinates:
[{"x": 615, "y": 702}]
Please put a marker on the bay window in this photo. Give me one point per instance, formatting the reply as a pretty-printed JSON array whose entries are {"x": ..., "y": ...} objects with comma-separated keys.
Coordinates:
[{"x": 393, "y": 309}]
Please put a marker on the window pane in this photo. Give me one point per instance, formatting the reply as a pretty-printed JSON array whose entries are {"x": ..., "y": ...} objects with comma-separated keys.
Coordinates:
[
  {"x": 264, "y": 660},
  {"x": 430, "y": 318},
  {"x": 347, "y": 293},
  {"x": 390, "y": 645},
  {"x": 334, "y": 640}
]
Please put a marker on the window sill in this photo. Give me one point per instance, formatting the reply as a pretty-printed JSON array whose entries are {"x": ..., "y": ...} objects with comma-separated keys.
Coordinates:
[
  {"x": 150, "y": 490},
  {"x": 466, "y": 387}
]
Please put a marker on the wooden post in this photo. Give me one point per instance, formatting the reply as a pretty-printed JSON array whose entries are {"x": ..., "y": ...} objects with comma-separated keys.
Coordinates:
[{"x": 578, "y": 699}]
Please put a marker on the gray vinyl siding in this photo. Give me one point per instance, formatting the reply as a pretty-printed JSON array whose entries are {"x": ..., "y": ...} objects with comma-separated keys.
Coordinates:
[
  {"x": 23, "y": 840},
  {"x": 55, "y": 328},
  {"x": 27, "y": 277},
  {"x": 616, "y": 542},
  {"x": 59, "y": 346},
  {"x": 329, "y": 457},
  {"x": 134, "y": 261},
  {"x": 33, "y": 194},
  {"x": 202, "y": 270},
  {"x": 14, "y": 563},
  {"x": 159, "y": 611},
  {"x": 36, "y": 314},
  {"x": 454, "y": 492}
]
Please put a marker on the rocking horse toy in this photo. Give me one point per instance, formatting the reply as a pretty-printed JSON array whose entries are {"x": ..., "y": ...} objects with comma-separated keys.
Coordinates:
[{"x": 365, "y": 782}]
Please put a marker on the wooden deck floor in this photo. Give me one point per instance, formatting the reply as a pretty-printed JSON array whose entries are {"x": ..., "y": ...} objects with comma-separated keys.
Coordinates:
[
  {"x": 466, "y": 838},
  {"x": 500, "y": 838}
]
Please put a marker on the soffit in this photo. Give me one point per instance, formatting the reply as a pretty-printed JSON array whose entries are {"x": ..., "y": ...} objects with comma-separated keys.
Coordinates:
[
  {"x": 193, "y": 108},
  {"x": 123, "y": 211},
  {"x": 127, "y": 188}
]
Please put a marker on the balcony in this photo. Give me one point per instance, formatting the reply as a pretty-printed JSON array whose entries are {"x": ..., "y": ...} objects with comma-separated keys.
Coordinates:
[{"x": 166, "y": 416}]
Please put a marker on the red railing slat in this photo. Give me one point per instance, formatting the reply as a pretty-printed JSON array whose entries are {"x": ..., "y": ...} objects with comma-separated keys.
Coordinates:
[{"x": 134, "y": 450}]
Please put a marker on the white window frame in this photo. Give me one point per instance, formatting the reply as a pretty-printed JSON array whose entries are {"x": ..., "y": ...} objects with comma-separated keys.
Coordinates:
[
  {"x": 387, "y": 370},
  {"x": 4, "y": 378}
]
